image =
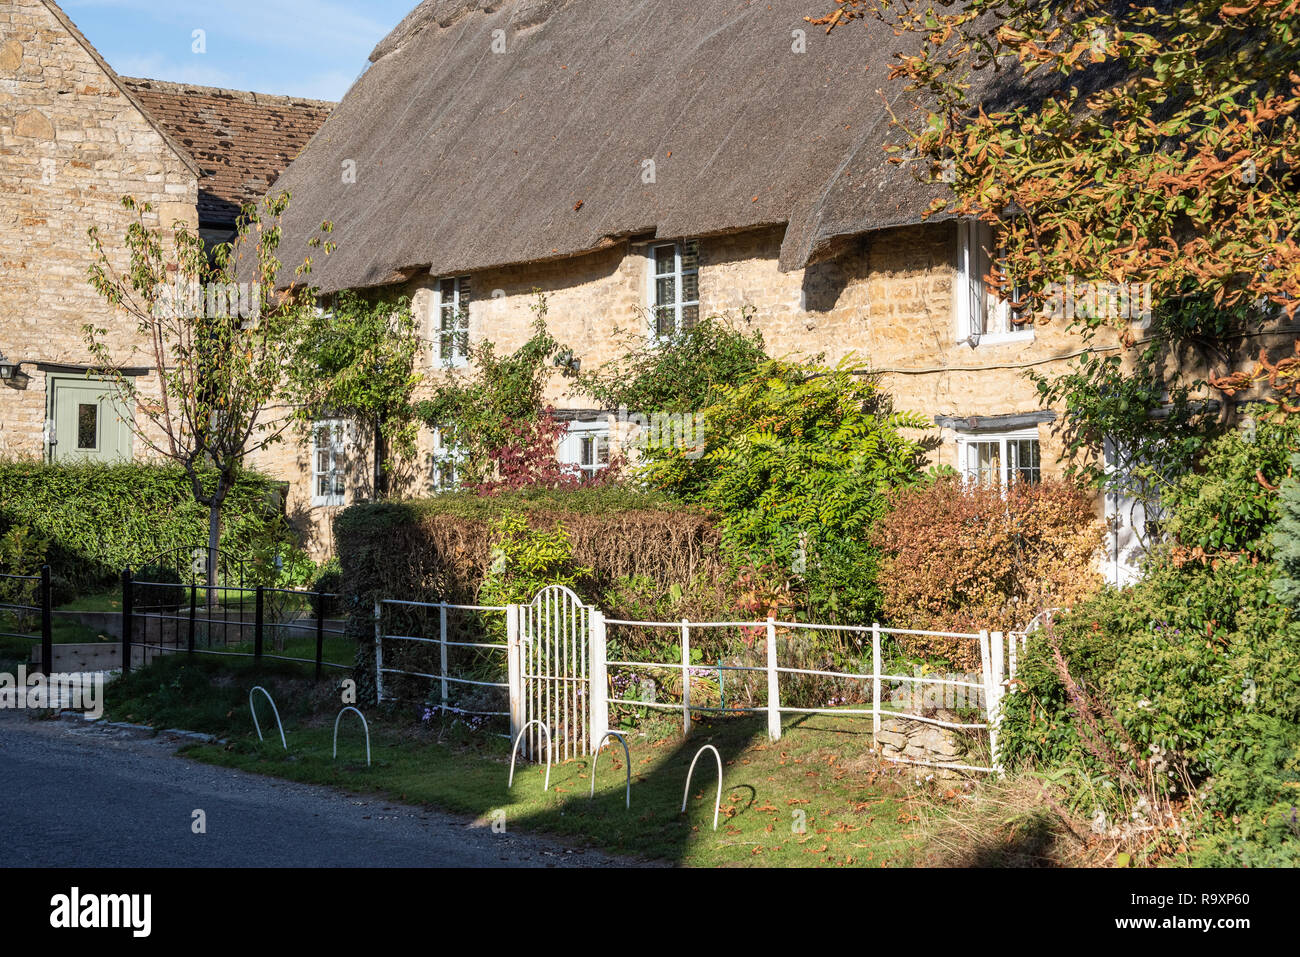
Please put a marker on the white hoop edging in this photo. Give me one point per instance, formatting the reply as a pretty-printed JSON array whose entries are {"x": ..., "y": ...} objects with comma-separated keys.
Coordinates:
[
  {"x": 274, "y": 710},
  {"x": 718, "y": 802},
  {"x": 515, "y": 751},
  {"x": 364, "y": 724},
  {"x": 626, "y": 755}
]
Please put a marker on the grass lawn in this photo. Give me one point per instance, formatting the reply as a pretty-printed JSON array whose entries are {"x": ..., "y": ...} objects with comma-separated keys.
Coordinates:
[
  {"x": 816, "y": 797},
  {"x": 18, "y": 651},
  {"x": 110, "y": 600}
]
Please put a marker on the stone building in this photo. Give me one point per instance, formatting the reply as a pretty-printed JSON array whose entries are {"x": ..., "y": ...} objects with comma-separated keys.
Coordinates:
[
  {"x": 74, "y": 139},
  {"x": 643, "y": 167}
]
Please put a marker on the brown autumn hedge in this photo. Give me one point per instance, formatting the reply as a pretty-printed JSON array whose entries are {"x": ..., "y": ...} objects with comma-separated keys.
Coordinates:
[
  {"x": 440, "y": 548},
  {"x": 959, "y": 557}
]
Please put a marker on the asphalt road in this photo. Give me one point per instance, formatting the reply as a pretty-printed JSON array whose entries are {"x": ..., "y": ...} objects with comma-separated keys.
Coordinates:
[{"x": 81, "y": 795}]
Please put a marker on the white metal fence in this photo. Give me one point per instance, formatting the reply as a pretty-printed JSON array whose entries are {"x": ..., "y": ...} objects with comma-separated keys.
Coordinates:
[{"x": 554, "y": 668}]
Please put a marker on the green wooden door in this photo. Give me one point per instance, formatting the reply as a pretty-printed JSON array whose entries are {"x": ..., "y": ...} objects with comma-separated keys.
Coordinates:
[{"x": 90, "y": 422}]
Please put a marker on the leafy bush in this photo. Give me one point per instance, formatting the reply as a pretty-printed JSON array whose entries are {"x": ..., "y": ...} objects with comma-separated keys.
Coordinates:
[
  {"x": 1286, "y": 539},
  {"x": 683, "y": 372},
  {"x": 961, "y": 557},
  {"x": 101, "y": 518},
  {"x": 329, "y": 583},
  {"x": 1229, "y": 505},
  {"x": 480, "y": 409},
  {"x": 1198, "y": 662},
  {"x": 799, "y": 461},
  {"x": 525, "y": 560}
]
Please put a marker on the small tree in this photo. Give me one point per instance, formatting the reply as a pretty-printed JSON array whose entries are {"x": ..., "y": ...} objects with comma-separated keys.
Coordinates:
[
  {"x": 1126, "y": 144},
  {"x": 219, "y": 335},
  {"x": 363, "y": 349}
]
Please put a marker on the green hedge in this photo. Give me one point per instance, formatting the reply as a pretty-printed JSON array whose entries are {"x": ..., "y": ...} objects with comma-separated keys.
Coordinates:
[
  {"x": 101, "y": 518},
  {"x": 441, "y": 548}
]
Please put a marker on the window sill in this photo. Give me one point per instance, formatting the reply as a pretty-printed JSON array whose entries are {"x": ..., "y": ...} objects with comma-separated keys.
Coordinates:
[{"x": 1000, "y": 339}]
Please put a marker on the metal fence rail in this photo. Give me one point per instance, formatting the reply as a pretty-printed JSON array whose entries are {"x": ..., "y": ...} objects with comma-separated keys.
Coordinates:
[
  {"x": 403, "y": 663},
  {"x": 39, "y": 589},
  {"x": 529, "y": 667}
]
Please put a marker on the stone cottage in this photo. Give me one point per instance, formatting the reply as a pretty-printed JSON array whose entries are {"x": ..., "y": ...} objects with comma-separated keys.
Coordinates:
[
  {"x": 74, "y": 139},
  {"x": 643, "y": 166}
]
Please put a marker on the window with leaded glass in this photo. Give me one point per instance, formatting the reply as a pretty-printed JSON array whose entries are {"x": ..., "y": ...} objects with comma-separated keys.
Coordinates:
[
  {"x": 1001, "y": 459},
  {"x": 451, "y": 316},
  {"x": 329, "y": 462},
  {"x": 675, "y": 287}
]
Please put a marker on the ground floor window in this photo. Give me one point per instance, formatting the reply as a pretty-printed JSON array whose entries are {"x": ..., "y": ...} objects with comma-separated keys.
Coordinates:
[
  {"x": 1001, "y": 459},
  {"x": 329, "y": 461},
  {"x": 587, "y": 447},
  {"x": 445, "y": 464}
]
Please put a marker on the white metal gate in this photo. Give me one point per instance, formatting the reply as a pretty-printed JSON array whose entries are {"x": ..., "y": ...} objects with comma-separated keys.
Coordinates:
[{"x": 555, "y": 655}]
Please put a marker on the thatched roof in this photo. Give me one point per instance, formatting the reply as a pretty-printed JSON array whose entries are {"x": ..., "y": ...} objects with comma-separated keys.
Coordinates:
[{"x": 468, "y": 159}]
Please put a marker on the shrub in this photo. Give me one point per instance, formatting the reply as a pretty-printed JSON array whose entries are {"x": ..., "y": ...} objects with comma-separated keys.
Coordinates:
[
  {"x": 1229, "y": 505},
  {"x": 160, "y": 586},
  {"x": 330, "y": 583},
  {"x": 101, "y": 518},
  {"x": 680, "y": 373},
  {"x": 1286, "y": 539},
  {"x": 799, "y": 461},
  {"x": 961, "y": 557},
  {"x": 1199, "y": 663},
  {"x": 441, "y": 547}
]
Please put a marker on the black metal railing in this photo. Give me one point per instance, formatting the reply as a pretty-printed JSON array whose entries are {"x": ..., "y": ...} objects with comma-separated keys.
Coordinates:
[
  {"x": 18, "y": 593},
  {"x": 216, "y": 620}
]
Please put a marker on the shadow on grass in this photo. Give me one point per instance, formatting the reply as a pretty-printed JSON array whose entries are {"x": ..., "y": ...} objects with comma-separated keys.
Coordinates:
[{"x": 816, "y": 797}]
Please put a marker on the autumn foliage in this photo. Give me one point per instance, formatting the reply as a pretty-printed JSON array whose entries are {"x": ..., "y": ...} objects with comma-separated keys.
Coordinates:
[{"x": 959, "y": 557}]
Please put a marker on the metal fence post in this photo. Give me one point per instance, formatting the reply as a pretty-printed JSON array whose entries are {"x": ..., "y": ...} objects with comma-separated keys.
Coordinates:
[
  {"x": 773, "y": 685},
  {"x": 514, "y": 671},
  {"x": 47, "y": 623},
  {"x": 257, "y": 623},
  {"x": 875, "y": 683},
  {"x": 128, "y": 624},
  {"x": 379, "y": 654},
  {"x": 995, "y": 708},
  {"x": 194, "y": 602},
  {"x": 599, "y": 680},
  {"x": 320, "y": 631},
  {"x": 686, "y": 677},
  {"x": 442, "y": 656}
]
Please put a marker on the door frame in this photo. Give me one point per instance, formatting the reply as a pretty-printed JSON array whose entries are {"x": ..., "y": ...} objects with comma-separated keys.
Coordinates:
[{"x": 52, "y": 382}]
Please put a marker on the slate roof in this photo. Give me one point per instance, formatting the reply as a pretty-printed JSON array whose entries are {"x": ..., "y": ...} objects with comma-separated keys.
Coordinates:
[{"x": 241, "y": 141}]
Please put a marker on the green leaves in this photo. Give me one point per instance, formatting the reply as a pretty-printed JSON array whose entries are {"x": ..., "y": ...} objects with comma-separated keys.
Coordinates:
[
  {"x": 363, "y": 348},
  {"x": 798, "y": 460}
]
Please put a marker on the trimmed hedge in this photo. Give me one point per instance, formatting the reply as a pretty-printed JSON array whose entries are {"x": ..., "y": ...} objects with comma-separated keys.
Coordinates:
[
  {"x": 100, "y": 518},
  {"x": 440, "y": 547}
]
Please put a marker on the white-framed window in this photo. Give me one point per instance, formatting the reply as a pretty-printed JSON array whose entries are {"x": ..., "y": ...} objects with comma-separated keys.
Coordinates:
[
  {"x": 444, "y": 474},
  {"x": 983, "y": 318},
  {"x": 1001, "y": 459},
  {"x": 451, "y": 320},
  {"x": 586, "y": 446},
  {"x": 329, "y": 444},
  {"x": 674, "y": 292}
]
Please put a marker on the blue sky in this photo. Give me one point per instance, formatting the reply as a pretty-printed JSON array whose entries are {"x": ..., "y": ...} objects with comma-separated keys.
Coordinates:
[{"x": 312, "y": 48}]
